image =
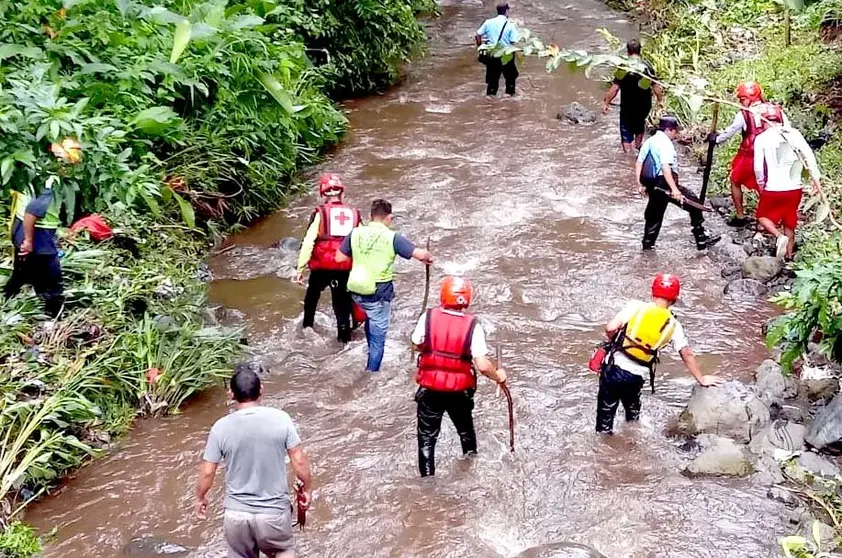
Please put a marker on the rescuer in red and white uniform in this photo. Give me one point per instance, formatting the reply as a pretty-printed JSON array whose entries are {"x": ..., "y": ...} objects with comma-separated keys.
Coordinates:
[
  {"x": 750, "y": 123},
  {"x": 331, "y": 222},
  {"x": 451, "y": 344}
]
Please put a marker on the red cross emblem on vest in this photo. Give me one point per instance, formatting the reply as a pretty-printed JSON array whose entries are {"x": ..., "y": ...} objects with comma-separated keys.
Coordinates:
[{"x": 341, "y": 217}]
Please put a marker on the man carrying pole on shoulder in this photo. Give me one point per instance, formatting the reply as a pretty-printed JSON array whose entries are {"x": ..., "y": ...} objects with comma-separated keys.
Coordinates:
[{"x": 451, "y": 343}]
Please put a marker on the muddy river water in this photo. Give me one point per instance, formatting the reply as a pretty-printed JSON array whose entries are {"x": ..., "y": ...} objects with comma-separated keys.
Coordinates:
[{"x": 543, "y": 217}]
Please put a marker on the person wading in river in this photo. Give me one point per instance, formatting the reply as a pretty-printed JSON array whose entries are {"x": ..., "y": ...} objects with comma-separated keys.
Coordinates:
[
  {"x": 498, "y": 30},
  {"x": 657, "y": 175},
  {"x": 780, "y": 153},
  {"x": 450, "y": 342},
  {"x": 636, "y": 335},
  {"x": 635, "y": 101},
  {"x": 373, "y": 248},
  {"x": 749, "y": 122},
  {"x": 330, "y": 223},
  {"x": 253, "y": 442}
]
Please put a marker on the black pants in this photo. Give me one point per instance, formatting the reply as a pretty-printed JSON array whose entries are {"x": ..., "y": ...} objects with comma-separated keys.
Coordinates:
[
  {"x": 616, "y": 385},
  {"x": 494, "y": 69},
  {"x": 432, "y": 405},
  {"x": 43, "y": 272},
  {"x": 659, "y": 199},
  {"x": 320, "y": 279}
]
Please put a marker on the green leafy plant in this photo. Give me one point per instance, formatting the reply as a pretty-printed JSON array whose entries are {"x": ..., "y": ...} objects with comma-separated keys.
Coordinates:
[{"x": 19, "y": 541}]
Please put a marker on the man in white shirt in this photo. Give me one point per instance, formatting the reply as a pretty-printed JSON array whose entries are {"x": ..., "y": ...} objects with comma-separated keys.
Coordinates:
[
  {"x": 780, "y": 154},
  {"x": 637, "y": 334},
  {"x": 451, "y": 343},
  {"x": 657, "y": 175}
]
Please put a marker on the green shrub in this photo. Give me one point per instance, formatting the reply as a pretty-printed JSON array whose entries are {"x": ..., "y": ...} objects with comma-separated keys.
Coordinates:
[{"x": 19, "y": 541}]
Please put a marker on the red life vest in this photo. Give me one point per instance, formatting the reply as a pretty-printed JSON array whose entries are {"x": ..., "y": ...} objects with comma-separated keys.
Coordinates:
[
  {"x": 752, "y": 129},
  {"x": 445, "y": 360},
  {"x": 336, "y": 221}
]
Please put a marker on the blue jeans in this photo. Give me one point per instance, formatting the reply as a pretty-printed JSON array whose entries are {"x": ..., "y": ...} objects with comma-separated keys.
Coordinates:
[{"x": 378, "y": 313}]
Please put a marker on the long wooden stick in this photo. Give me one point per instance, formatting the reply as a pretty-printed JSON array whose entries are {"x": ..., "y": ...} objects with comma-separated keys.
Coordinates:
[
  {"x": 709, "y": 161},
  {"x": 510, "y": 405},
  {"x": 426, "y": 285}
]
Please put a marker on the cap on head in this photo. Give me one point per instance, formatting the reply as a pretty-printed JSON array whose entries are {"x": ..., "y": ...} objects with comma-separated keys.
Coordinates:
[
  {"x": 750, "y": 91},
  {"x": 668, "y": 123},
  {"x": 773, "y": 113},
  {"x": 68, "y": 150},
  {"x": 330, "y": 185},
  {"x": 666, "y": 286},
  {"x": 456, "y": 292}
]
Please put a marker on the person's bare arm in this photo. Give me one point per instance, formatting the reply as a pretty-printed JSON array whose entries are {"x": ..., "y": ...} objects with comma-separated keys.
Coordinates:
[
  {"x": 478, "y": 39},
  {"x": 670, "y": 178},
  {"x": 29, "y": 221},
  {"x": 487, "y": 368},
  {"x": 301, "y": 467},
  {"x": 609, "y": 96},
  {"x": 659, "y": 93},
  {"x": 692, "y": 365},
  {"x": 207, "y": 472},
  {"x": 422, "y": 255}
]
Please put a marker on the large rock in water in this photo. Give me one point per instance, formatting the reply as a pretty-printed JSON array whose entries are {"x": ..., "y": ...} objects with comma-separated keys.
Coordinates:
[
  {"x": 762, "y": 268},
  {"x": 720, "y": 457},
  {"x": 817, "y": 466},
  {"x": 731, "y": 409},
  {"x": 826, "y": 428},
  {"x": 745, "y": 288},
  {"x": 726, "y": 250},
  {"x": 780, "y": 435},
  {"x": 560, "y": 550},
  {"x": 772, "y": 386},
  {"x": 577, "y": 114}
]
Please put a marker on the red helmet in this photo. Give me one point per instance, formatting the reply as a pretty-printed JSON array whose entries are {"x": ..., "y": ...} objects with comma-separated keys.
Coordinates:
[
  {"x": 330, "y": 184},
  {"x": 456, "y": 292},
  {"x": 666, "y": 286},
  {"x": 750, "y": 90},
  {"x": 773, "y": 113}
]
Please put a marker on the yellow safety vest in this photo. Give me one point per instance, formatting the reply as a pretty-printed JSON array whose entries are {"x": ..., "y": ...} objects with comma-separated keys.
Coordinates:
[{"x": 648, "y": 331}]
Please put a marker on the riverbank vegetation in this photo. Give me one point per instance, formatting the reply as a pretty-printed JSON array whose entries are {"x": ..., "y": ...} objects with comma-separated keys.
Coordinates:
[{"x": 193, "y": 116}]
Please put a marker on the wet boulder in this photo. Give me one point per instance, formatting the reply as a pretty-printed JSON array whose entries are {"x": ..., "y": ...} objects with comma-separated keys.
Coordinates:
[
  {"x": 726, "y": 250},
  {"x": 820, "y": 534},
  {"x": 732, "y": 410},
  {"x": 745, "y": 289},
  {"x": 819, "y": 383},
  {"x": 732, "y": 271},
  {"x": 720, "y": 456},
  {"x": 722, "y": 204},
  {"x": 782, "y": 495},
  {"x": 780, "y": 435},
  {"x": 826, "y": 428},
  {"x": 288, "y": 244},
  {"x": 771, "y": 385},
  {"x": 762, "y": 268},
  {"x": 577, "y": 114},
  {"x": 149, "y": 547},
  {"x": 204, "y": 273},
  {"x": 815, "y": 465},
  {"x": 560, "y": 550}
]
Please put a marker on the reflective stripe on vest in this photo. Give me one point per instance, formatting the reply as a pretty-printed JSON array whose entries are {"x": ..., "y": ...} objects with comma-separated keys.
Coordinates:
[
  {"x": 648, "y": 330},
  {"x": 21, "y": 200},
  {"x": 373, "y": 245},
  {"x": 336, "y": 221},
  {"x": 445, "y": 360}
]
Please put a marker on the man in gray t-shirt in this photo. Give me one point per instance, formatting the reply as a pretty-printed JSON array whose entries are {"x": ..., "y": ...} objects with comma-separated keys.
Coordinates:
[{"x": 253, "y": 442}]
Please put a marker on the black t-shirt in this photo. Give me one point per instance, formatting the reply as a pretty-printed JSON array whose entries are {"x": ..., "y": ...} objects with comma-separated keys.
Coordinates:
[{"x": 635, "y": 102}]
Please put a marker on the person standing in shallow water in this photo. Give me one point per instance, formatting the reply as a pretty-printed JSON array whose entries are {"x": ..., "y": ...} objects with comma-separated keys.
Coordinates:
[
  {"x": 637, "y": 334},
  {"x": 253, "y": 442},
  {"x": 635, "y": 101},
  {"x": 499, "y": 30}
]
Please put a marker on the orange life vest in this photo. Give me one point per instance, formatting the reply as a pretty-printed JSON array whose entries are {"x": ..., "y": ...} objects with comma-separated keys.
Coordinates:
[
  {"x": 336, "y": 221},
  {"x": 445, "y": 360}
]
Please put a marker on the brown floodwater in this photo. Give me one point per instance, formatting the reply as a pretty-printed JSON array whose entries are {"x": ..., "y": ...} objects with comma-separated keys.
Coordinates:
[{"x": 543, "y": 217}]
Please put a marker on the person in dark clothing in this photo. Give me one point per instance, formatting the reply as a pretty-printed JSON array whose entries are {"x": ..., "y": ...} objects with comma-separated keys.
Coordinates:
[
  {"x": 499, "y": 30},
  {"x": 656, "y": 171},
  {"x": 451, "y": 342},
  {"x": 36, "y": 263},
  {"x": 635, "y": 101}
]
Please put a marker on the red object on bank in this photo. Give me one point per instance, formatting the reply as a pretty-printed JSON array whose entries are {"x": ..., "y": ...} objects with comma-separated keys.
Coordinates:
[
  {"x": 95, "y": 225},
  {"x": 152, "y": 375}
]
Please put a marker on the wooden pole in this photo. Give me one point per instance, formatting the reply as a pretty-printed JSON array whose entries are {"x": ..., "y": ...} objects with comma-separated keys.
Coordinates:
[{"x": 709, "y": 161}]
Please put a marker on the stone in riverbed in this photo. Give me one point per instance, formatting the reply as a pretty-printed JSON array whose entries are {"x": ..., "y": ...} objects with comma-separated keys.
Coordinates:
[
  {"x": 782, "y": 495},
  {"x": 780, "y": 435},
  {"x": 817, "y": 466},
  {"x": 820, "y": 383},
  {"x": 826, "y": 428},
  {"x": 762, "y": 268},
  {"x": 726, "y": 251},
  {"x": 731, "y": 409},
  {"x": 745, "y": 289},
  {"x": 577, "y": 114},
  {"x": 147, "y": 547},
  {"x": 772, "y": 385},
  {"x": 719, "y": 457},
  {"x": 722, "y": 204},
  {"x": 560, "y": 550}
]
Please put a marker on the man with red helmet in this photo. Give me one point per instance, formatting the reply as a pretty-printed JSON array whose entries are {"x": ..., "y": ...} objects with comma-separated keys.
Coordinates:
[
  {"x": 749, "y": 121},
  {"x": 780, "y": 154},
  {"x": 451, "y": 343},
  {"x": 637, "y": 334},
  {"x": 330, "y": 223}
]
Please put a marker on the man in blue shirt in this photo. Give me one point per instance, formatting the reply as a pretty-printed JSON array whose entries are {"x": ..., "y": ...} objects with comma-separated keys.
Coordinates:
[
  {"x": 493, "y": 31},
  {"x": 35, "y": 220},
  {"x": 657, "y": 175}
]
